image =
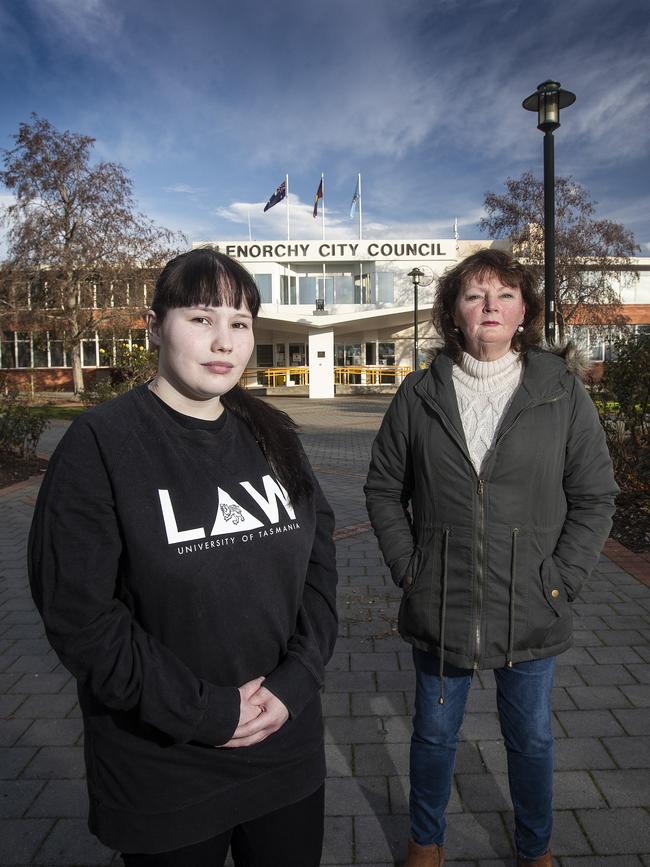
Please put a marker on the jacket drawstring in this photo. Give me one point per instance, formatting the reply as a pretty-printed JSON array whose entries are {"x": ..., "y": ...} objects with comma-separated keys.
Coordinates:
[
  {"x": 511, "y": 618},
  {"x": 443, "y": 616}
]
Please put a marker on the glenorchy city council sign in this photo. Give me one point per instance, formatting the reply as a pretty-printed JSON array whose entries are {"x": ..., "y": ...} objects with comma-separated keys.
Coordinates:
[{"x": 310, "y": 251}]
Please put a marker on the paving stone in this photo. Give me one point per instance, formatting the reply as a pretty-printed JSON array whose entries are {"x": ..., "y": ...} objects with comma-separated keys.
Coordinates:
[
  {"x": 396, "y": 681},
  {"x": 374, "y": 662},
  {"x": 338, "y": 845},
  {"x": 9, "y": 705},
  {"x": 635, "y": 721},
  {"x": 45, "y": 706},
  {"x": 492, "y": 757},
  {"x": 629, "y": 752},
  {"x": 613, "y": 655},
  {"x": 604, "y": 675},
  {"x": 356, "y": 796},
  {"x": 20, "y": 839},
  {"x": 380, "y": 838},
  {"x": 338, "y": 760},
  {"x": 354, "y": 730},
  {"x": 590, "y": 697},
  {"x": 339, "y": 662},
  {"x": 604, "y": 861},
  {"x": 64, "y": 763},
  {"x": 639, "y": 695},
  {"x": 52, "y": 732},
  {"x": 575, "y": 789},
  {"x": 16, "y": 796},
  {"x": 641, "y": 672},
  {"x": 618, "y": 831},
  {"x": 468, "y": 758},
  {"x": 585, "y": 723},
  {"x": 70, "y": 842},
  {"x": 483, "y": 793},
  {"x": 624, "y": 788},
  {"x": 335, "y": 704},
  {"x": 11, "y": 730},
  {"x": 568, "y": 838},
  {"x": 61, "y": 799},
  {"x": 630, "y": 637},
  {"x": 397, "y": 729},
  {"x": 581, "y": 753},
  {"x": 30, "y": 684},
  {"x": 480, "y": 725},
  {"x": 567, "y": 675},
  {"x": 13, "y": 761},
  {"x": 349, "y": 681},
  {"x": 380, "y": 759},
  {"x": 477, "y": 836},
  {"x": 380, "y": 703}
]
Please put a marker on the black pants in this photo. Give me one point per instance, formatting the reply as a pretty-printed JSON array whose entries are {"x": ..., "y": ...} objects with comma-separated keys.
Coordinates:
[{"x": 289, "y": 837}]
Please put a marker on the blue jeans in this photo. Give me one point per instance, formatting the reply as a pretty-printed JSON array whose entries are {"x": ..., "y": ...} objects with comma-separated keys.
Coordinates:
[{"x": 524, "y": 705}]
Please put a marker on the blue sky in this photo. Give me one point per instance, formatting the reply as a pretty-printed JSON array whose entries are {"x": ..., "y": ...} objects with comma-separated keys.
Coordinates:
[{"x": 208, "y": 104}]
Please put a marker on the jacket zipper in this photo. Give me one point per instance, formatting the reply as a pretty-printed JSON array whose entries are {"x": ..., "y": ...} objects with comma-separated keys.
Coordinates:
[
  {"x": 480, "y": 546},
  {"x": 481, "y": 495}
]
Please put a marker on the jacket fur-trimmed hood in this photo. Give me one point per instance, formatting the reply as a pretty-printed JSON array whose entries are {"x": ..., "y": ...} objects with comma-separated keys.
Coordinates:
[{"x": 574, "y": 356}]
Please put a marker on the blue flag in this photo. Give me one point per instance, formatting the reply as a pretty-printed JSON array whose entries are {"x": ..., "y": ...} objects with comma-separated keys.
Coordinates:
[
  {"x": 355, "y": 199},
  {"x": 277, "y": 196}
]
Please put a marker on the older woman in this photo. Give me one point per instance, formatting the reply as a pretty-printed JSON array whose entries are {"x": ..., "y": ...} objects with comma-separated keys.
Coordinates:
[{"x": 491, "y": 493}]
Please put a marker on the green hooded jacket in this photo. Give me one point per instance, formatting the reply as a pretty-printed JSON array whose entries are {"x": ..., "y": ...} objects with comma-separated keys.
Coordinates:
[{"x": 491, "y": 562}]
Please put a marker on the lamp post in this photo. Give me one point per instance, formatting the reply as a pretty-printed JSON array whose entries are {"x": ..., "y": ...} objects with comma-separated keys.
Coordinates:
[
  {"x": 415, "y": 275},
  {"x": 547, "y": 101}
]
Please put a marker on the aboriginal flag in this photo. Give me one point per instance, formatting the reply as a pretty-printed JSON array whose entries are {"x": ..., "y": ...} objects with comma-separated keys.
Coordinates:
[{"x": 319, "y": 195}]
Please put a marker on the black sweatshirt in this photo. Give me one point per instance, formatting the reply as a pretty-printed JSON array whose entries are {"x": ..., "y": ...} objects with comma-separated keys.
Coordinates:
[{"x": 170, "y": 568}]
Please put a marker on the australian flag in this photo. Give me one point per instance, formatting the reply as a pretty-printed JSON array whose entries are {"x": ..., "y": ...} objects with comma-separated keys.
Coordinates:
[{"x": 277, "y": 196}]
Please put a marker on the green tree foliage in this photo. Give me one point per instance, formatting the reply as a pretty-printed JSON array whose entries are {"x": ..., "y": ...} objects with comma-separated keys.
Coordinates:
[
  {"x": 592, "y": 256},
  {"x": 76, "y": 241},
  {"x": 624, "y": 397},
  {"x": 20, "y": 427},
  {"x": 133, "y": 366}
]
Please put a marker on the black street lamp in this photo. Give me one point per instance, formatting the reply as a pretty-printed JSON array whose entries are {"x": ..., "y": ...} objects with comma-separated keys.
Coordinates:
[
  {"x": 547, "y": 102},
  {"x": 416, "y": 275}
]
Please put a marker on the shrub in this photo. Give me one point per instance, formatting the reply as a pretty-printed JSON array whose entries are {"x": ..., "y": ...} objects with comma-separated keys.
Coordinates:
[
  {"x": 624, "y": 395},
  {"x": 132, "y": 367},
  {"x": 20, "y": 427}
]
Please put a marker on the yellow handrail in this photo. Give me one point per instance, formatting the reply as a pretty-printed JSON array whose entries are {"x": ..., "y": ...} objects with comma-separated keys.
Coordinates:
[{"x": 363, "y": 374}]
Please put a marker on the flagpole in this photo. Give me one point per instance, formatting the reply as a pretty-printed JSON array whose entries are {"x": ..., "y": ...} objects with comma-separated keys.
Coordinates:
[
  {"x": 322, "y": 180},
  {"x": 286, "y": 186},
  {"x": 360, "y": 221}
]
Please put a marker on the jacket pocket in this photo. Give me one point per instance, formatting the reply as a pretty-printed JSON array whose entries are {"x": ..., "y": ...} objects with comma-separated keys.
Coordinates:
[
  {"x": 553, "y": 586},
  {"x": 412, "y": 570}
]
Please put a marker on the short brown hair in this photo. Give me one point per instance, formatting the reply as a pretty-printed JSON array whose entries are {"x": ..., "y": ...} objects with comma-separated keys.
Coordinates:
[{"x": 511, "y": 273}]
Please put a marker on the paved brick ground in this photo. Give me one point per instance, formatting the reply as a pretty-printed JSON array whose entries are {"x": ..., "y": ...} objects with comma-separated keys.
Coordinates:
[{"x": 601, "y": 704}]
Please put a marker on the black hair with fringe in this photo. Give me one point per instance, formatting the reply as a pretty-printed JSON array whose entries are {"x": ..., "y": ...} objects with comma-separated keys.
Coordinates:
[{"x": 206, "y": 277}]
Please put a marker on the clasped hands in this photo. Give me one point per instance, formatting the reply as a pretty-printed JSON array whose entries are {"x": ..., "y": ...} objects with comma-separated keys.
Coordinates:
[{"x": 260, "y": 714}]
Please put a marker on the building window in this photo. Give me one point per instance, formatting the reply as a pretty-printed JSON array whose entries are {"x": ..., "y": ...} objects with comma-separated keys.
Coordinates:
[
  {"x": 348, "y": 355},
  {"x": 287, "y": 289},
  {"x": 308, "y": 290},
  {"x": 265, "y": 286},
  {"x": 344, "y": 288},
  {"x": 385, "y": 287},
  {"x": 387, "y": 354}
]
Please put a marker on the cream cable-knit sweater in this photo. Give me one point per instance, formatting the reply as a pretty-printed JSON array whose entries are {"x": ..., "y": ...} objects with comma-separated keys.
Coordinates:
[{"x": 483, "y": 391}]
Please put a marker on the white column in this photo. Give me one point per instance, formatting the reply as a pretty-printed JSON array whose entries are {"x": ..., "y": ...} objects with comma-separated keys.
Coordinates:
[{"x": 321, "y": 364}]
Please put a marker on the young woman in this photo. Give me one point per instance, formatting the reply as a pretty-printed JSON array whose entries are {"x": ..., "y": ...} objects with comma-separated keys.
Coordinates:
[{"x": 181, "y": 557}]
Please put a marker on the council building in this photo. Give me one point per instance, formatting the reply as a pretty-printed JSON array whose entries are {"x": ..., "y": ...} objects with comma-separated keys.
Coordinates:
[{"x": 336, "y": 316}]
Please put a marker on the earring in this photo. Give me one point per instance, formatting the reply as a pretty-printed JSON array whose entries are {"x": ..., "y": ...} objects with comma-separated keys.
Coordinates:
[
  {"x": 456, "y": 328},
  {"x": 520, "y": 329}
]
